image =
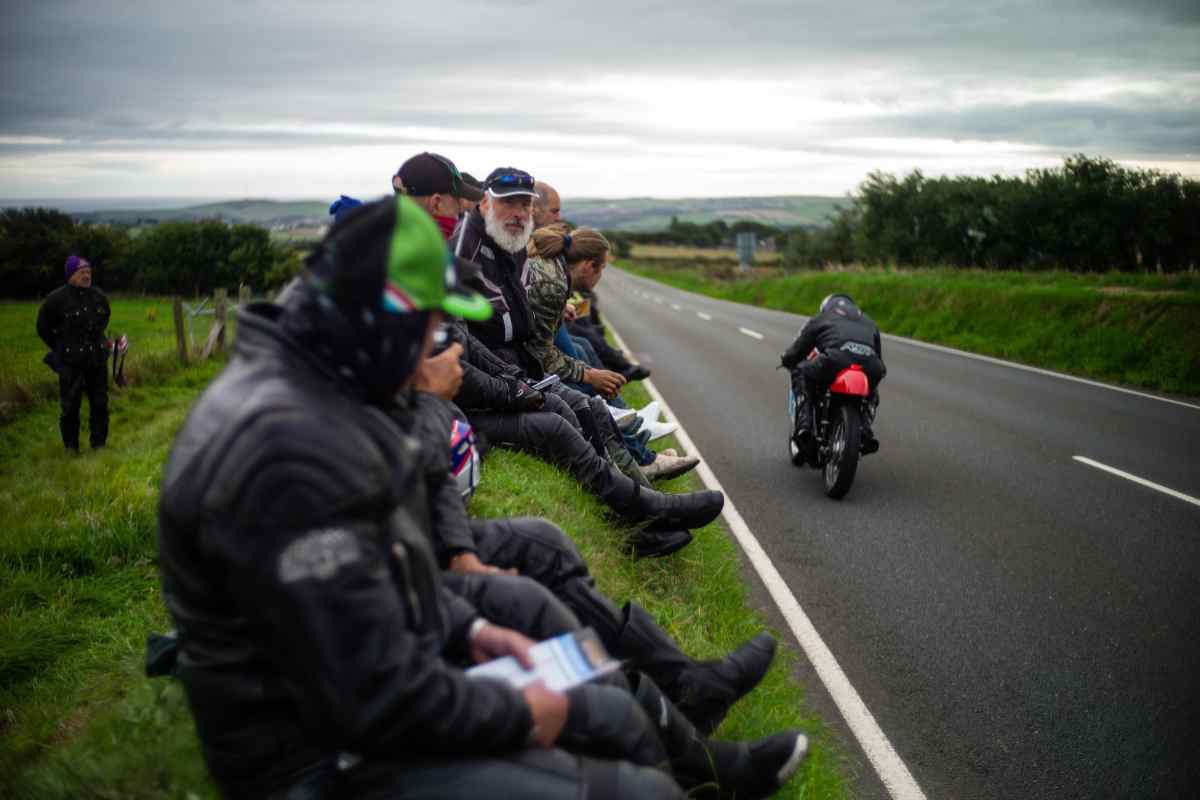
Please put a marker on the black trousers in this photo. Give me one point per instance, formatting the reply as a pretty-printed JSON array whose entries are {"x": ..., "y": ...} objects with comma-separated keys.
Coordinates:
[{"x": 73, "y": 383}]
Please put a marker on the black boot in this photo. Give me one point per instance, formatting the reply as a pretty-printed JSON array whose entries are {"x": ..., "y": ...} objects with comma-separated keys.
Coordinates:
[
  {"x": 636, "y": 372},
  {"x": 651, "y": 543},
  {"x": 869, "y": 443},
  {"x": 706, "y": 768},
  {"x": 687, "y": 510},
  {"x": 703, "y": 690}
]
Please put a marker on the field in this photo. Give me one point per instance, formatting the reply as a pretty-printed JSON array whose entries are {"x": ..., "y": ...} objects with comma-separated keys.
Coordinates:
[
  {"x": 1126, "y": 328},
  {"x": 148, "y": 322},
  {"x": 666, "y": 252},
  {"x": 79, "y": 593}
]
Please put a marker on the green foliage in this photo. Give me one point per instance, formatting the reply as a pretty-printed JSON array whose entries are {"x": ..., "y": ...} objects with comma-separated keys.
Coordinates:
[
  {"x": 1090, "y": 215},
  {"x": 170, "y": 258},
  {"x": 1118, "y": 327}
]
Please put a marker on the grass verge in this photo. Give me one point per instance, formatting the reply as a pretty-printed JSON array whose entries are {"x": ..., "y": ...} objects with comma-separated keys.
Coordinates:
[
  {"x": 79, "y": 592},
  {"x": 1129, "y": 329}
]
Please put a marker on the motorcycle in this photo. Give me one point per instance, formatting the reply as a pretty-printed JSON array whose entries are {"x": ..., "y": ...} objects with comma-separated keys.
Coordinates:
[{"x": 837, "y": 425}]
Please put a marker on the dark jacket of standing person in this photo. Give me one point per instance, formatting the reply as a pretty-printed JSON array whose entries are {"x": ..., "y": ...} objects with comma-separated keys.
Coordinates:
[{"x": 71, "y": 322}]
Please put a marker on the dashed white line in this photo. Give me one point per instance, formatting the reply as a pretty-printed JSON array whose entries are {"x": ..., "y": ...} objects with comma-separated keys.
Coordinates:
[
  {"x": 703, "y": 316},
  {"x": 751, "y": 334},
  {"x": 892, "y": 770},
  {"x": 675, "y": 306},
  {"x": 658, "y": 300},
  {"x": 1141, "y": 481}
]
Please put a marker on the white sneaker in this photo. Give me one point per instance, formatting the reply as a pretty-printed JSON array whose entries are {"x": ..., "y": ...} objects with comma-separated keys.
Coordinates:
[
  {"x": 660, "y": 429},
  {"x": 650, "y": 412},
  {"x": 619, "y": 414}
]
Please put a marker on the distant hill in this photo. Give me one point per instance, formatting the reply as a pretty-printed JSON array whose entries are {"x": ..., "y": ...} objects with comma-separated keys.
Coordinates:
[
  {"x": 268, "y": 213},
  {"x": 631, "y": 214}
]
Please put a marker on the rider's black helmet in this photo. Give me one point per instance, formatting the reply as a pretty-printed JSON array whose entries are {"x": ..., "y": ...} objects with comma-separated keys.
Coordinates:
[{"x": 842, "y": 303}]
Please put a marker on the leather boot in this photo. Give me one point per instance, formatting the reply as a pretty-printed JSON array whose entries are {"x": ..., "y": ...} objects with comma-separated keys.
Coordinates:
[
  {"x": 686, "y": 510},
  {"x": 703, "y": 690},
  {"x": 706, "y": 768}
]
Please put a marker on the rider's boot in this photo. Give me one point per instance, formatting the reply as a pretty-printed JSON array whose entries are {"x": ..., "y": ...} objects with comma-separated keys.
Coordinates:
[{"x": 869, "y": 443}]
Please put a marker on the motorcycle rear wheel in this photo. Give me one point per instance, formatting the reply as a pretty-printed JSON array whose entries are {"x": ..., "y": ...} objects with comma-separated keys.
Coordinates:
[{"x": 845, "y": 440}]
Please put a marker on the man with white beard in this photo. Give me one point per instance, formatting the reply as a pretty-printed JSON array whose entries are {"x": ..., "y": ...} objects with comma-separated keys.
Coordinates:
[{"x": 494, "y": 236}]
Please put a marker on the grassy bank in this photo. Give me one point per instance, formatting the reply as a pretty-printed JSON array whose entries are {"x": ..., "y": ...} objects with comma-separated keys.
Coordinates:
[
  {"x": 1131, "y": 329},
  {"x": 79, "y": 592}
]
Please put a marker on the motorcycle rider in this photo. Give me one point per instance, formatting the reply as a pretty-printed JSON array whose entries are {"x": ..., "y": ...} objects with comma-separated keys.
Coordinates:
[{"x": 843, "y": 335}]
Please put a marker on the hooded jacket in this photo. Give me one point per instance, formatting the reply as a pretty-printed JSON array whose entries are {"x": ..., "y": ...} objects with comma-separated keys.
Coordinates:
[{"x": 296, "y": 564}]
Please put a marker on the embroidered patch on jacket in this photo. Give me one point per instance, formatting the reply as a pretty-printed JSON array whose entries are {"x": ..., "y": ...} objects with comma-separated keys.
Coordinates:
[{"x": 318, "y": 555}]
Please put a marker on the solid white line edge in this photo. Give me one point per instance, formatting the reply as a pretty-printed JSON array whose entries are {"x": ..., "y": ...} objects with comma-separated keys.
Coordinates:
[
  {"x": 883, "y": 757},
  {"x": 1130, "y": 477}
]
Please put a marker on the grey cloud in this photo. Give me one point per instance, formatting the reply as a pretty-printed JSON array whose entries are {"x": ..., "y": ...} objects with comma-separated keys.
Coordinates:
[{"x": 175, "y": 75}]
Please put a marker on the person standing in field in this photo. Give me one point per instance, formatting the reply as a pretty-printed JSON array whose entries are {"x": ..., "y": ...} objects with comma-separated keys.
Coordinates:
[{"x": 71, "y": 322}]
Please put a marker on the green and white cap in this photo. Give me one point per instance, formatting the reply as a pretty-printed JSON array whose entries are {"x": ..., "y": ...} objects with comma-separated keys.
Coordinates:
[{"x": 422, "y": 273}]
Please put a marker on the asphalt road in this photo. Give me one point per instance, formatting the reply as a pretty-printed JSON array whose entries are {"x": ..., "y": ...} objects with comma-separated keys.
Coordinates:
[{"x": 1020, "y": 624}]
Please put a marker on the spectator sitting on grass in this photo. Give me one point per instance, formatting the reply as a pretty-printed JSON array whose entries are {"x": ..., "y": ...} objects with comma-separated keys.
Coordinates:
[
  {"x": 561, "y": 261},
  {"x": 320, "y": 652}
]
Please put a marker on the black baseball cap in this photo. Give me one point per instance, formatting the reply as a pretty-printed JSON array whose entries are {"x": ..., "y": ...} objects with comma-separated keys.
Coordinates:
[
  {"x": 509, "y": 182},
  {"x": 426, "y": 174}
]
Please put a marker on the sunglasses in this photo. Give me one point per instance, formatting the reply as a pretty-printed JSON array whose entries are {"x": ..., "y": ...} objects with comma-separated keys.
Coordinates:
[
  {"x": 455, "y": 178},
  {"x": 522, "y": 179}
]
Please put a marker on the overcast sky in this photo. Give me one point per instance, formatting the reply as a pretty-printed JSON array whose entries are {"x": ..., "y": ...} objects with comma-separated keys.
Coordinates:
[{"x": 611, "y": 99}]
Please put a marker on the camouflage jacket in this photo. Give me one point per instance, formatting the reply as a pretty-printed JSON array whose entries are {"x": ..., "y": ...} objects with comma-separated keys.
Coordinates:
[{"x": 549, "y": 287}]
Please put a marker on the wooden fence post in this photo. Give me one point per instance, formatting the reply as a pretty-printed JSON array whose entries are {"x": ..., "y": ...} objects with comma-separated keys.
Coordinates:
[
  {"x": 220, "y": 299},
  {"x": 180, "y": 336},
  {"x": 243, "y": 295}
]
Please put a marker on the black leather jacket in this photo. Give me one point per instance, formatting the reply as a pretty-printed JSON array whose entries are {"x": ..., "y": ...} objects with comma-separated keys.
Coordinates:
[
  {"x": 855, "y": 333},
  {"x": 295, "y": 560},
  {"x": 71, "y": 322},
  {"x": 503, "y": 280}
]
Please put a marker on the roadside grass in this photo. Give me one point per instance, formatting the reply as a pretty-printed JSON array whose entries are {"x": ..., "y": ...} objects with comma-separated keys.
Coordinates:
[
  {"x": 79, "y": 592},
  {"x": 1124, "y": 328},
  {"x": 148, "y": 321}
]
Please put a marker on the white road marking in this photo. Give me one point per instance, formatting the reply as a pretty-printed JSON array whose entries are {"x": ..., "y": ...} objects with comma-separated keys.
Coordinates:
[
  {"x": 674, "y": 306},
  {"x": 658, "y": 300},
  {"x": 751, "y": 334},
  {"x": 1142, "y": 481},
  {"x": 702, "y": 315},
  {"x": 887, "y": 763},
  {"x": 1001, "y": 362}
]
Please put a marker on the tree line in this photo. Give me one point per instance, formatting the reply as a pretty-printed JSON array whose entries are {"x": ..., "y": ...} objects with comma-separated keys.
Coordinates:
[
  {"x": 1089, "y": 215},
  {"x": 187, "y": 258}
]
